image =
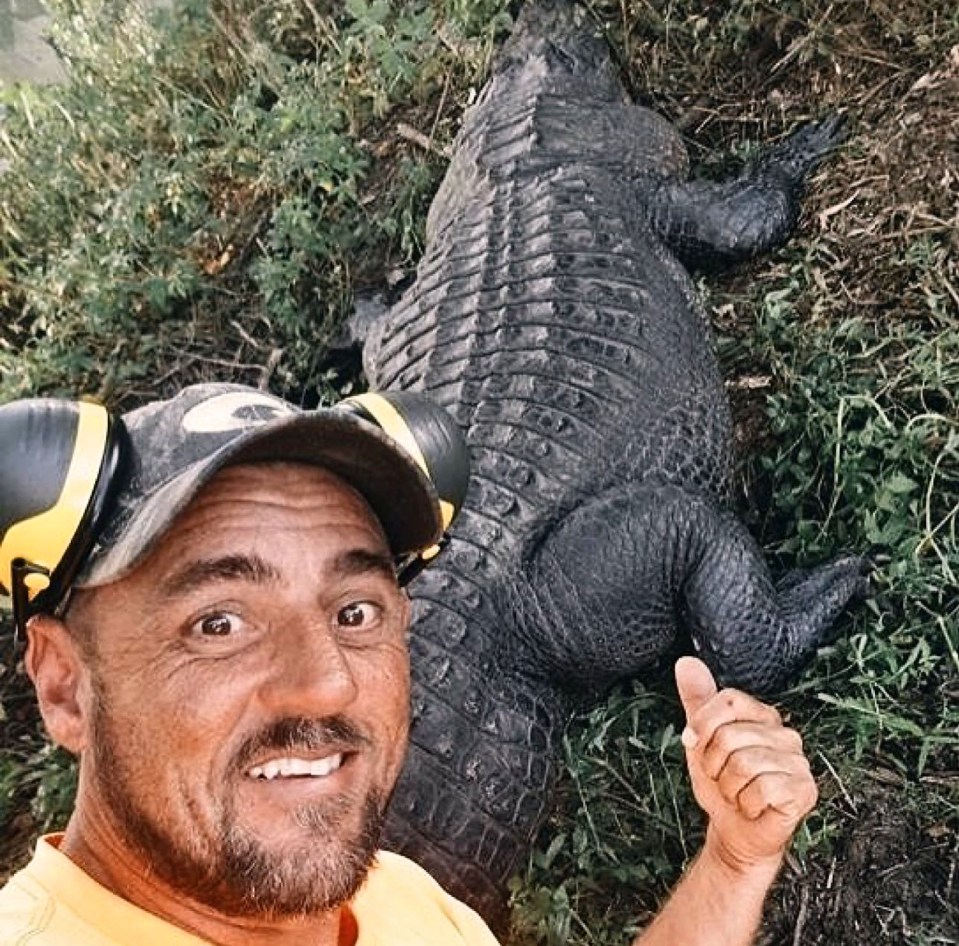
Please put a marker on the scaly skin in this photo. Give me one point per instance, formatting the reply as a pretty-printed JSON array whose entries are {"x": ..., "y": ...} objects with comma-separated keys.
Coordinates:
[{"x": 553, "y": 317}]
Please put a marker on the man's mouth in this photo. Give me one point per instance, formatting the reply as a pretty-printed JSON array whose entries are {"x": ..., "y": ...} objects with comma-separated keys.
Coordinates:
[{"x": 295, "y": 767}]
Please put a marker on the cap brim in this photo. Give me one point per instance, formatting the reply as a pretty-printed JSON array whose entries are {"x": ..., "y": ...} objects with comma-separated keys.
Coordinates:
[{"x": 400, "y": 494}]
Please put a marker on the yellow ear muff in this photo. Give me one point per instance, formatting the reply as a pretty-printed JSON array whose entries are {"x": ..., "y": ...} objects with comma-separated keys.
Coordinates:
[
  {"x": 431, "y": 437},
  {"x": 58, "y": 466}
]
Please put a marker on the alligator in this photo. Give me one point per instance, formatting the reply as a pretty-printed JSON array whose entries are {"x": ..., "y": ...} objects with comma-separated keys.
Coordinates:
[{"x": 553, "y": 316}]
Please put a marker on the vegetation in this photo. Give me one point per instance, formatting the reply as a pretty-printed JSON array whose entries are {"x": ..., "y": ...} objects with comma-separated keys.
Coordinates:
[
  {"x": 204, "y": 193},
  {"x": 217, "y": 182}
]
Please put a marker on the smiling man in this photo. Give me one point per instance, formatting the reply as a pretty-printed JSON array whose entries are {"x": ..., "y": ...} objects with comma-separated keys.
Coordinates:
[
  {"x": 248, "y": 706},
  {"x": 232, "y": 671}
]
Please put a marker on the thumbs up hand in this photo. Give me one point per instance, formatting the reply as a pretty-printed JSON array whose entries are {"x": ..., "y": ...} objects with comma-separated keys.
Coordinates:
[{"x": 748, "y": 771}]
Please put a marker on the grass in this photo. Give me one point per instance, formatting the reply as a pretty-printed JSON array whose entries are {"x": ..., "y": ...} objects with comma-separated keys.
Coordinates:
[
  {"x": 205, "y": 182},
  {"x": 205, "y": 217}
]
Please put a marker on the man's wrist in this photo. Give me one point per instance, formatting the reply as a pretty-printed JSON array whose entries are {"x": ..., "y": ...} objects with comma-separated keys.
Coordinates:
[{"x": 758, "y": 871}]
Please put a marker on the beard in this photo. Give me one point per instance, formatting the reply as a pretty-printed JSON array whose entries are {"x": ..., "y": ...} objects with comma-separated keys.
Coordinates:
[
  {"x": 232, "y": 870},
  {"x": 313, "y": 880}
]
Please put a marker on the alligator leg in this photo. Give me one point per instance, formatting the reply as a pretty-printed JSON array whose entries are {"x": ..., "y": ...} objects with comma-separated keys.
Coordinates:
[
  {"x": 710, "y": 224},
  {"x": 619, "y": 577}
]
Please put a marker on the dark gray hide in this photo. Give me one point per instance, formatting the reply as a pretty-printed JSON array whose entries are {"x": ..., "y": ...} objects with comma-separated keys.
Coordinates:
[{"x": 551, "y": 315}]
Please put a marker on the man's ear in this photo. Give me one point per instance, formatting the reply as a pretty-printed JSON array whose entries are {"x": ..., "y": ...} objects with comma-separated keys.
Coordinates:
[{"x": 61, "y": 678}]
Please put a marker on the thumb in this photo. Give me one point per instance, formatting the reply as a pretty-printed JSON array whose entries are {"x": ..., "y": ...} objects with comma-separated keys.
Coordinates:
[{"x": 696, "y": 687}]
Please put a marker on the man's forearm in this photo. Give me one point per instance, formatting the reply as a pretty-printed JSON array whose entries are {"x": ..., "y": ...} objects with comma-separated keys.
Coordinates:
[{"x": 714, "y": 904}]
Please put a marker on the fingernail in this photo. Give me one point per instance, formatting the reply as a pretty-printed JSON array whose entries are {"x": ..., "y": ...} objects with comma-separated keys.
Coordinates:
[{"x": 689, "y": 738}]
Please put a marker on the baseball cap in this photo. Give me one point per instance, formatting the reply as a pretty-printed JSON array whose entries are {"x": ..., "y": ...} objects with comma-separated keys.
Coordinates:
[{"x": 176, "y": 446}]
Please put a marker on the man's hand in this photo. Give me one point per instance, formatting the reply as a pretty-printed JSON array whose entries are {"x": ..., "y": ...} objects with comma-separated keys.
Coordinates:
[
  {"x": 751, "y": 778},
  {"x": 747, "y": 769}
]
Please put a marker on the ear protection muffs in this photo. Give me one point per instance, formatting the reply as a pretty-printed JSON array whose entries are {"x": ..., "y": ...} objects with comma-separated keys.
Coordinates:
[
  {"x": 58, "y": 472},
  {"x": 73, "y": 452},
  {"x": 434, "y": 440}
]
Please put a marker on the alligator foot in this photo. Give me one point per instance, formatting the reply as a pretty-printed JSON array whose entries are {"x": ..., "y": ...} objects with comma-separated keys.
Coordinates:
[
  {"x": 608, "y": 591},
  {"x": 710, "y": 224},
  {"x": 805, "y": 149},
  {"x": 725, "y": 614}
]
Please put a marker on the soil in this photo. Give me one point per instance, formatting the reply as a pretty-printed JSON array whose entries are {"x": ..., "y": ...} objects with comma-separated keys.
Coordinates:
[{"x": 892, "y": 873}]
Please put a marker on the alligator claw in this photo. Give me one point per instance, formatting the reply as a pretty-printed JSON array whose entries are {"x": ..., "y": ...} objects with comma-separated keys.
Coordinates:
[{"x": 807, "y": 147}]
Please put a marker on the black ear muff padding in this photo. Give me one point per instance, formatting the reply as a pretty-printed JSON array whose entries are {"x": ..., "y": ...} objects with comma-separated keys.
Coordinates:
[
  {"x": 435, "y": 442},
  {"x": 60, "y": 464},
  {"x": 429, "y": 434},
  {"x": 37, "y": 440}
]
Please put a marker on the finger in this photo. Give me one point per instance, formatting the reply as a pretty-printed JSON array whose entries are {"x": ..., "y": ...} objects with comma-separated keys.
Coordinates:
[
  {"x": 732, "y": 738},
  {"x": 696, "y": 687},
  {"x": 749, "y": 766},
  {"x": 789, "y": 797},
  {"x": 730, "y": 706}
]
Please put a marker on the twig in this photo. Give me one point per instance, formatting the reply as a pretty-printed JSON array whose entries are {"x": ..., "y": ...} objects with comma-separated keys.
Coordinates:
[
  {"x": 801, "y": 916},
  {"x": 269, "y": 368},
  {"x": 424, "y": 141}
]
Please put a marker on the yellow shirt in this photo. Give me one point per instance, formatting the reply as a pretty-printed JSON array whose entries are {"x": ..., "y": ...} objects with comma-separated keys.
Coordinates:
[{"x": 52, "y": 902}]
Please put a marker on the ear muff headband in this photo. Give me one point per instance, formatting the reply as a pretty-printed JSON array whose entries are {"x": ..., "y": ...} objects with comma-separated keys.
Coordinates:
[
  {"x": 39, "y": 555},
  {"x": 396, "y": 425}
]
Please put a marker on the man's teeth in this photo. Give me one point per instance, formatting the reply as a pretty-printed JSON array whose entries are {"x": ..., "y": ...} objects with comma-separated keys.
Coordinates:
[{"x": 296, "y": 767}]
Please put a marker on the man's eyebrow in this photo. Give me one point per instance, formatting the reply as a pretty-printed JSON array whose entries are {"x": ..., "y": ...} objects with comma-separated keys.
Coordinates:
[
  {"x": 226, "y": 568},
  {"x": 362, "y": 561}
]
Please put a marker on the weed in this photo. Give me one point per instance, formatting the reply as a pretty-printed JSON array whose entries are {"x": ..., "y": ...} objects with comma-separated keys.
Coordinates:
[{"x": 199, "y": 185}]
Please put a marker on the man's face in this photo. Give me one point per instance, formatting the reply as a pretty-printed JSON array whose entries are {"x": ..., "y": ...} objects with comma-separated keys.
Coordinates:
[{"x": 250, "y": 694}]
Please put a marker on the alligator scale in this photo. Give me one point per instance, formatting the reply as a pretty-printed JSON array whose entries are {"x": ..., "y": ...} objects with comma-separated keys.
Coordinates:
[{"x": 553, "y": 317}]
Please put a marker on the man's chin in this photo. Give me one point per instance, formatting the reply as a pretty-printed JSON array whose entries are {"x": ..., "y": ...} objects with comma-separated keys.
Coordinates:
[
  {"x": 308, "y": 863},
  {"x": 300, "y": 825},
  {"x": 295, "y": 879}
]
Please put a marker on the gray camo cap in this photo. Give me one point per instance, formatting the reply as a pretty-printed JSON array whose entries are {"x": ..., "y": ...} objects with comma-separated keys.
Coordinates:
[{"x": 178, "y": 445}]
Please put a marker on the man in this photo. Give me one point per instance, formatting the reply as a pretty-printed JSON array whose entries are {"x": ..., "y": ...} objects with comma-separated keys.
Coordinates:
[{"x": 232, "y": 672}]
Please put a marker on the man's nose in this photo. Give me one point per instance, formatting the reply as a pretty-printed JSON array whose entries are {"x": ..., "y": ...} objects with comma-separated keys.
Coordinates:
[{"x": 310, "y": 672}]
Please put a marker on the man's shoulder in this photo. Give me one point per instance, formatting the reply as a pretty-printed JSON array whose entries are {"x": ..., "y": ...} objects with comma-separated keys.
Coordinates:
[
  {"x": 52, "y": 902},
  {"x": 393, "y": 876},
  {"x": 25, "y": 913},
  {"x": 31, "y": 912},
  {"x": 414, "y": 902}
]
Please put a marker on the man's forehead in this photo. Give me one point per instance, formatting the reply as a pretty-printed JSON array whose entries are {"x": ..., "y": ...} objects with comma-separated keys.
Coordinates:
[
  {"x": 287, "y": 483},
  {"x": 198, "y": 534}
]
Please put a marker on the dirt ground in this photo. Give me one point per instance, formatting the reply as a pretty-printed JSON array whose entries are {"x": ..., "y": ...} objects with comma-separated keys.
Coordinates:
[{"x": 890, "y": 872}]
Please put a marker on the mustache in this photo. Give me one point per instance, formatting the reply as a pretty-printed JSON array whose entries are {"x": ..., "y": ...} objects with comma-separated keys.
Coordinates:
[{"x": 302, "y": 733}]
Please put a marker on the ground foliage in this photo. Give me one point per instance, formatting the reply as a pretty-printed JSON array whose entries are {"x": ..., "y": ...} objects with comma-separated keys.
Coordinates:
[{"x": 206, "y": 196}]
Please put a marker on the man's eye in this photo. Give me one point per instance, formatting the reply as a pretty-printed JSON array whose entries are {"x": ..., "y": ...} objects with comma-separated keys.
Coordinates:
[
  {"x": 221, "y": 624},
  {"x": 357, "y": 614}
]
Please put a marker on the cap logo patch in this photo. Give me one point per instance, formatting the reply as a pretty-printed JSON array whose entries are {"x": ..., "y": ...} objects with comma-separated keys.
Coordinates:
[{"x": 234, "y": 411}]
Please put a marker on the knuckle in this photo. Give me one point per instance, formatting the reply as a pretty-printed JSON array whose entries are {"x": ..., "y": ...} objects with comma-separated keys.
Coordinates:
[
  {"x": 801, "y": 793},
  {"x": 722, "y": 742},
  {"x": 729, "y": 697},
  {"x": 771, "y": 714},
  {"x": 802, "y": 770},
  {"x": 740, "y": 766},
  {"x": 744, "y": 706},
  {"x": 812, "y": 792}
]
